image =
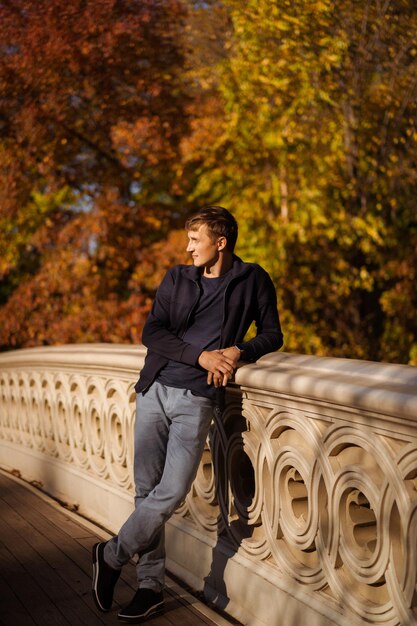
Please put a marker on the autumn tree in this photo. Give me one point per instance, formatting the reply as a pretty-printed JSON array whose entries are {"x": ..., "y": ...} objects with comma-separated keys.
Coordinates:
[
  {"x": 91, "y": 113},
  {"x": 315, "y": 151},
  {"x": 117, "y": 116}
]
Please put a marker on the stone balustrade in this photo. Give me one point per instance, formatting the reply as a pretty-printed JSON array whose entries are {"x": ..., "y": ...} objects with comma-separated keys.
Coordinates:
[{"x": 304, "y": 509}]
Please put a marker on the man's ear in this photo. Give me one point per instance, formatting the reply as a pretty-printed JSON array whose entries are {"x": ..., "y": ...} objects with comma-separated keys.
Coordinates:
[{"x": 221, "y": 243}]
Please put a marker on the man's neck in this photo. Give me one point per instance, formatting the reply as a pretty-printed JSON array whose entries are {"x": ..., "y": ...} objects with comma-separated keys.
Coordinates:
[{"x": 221, "y": 266}]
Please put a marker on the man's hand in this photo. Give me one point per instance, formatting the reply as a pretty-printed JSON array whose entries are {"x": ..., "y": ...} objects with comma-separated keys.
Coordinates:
[
  {"x": 232, "y": 353},
  {"x": 220, "y": 365}
]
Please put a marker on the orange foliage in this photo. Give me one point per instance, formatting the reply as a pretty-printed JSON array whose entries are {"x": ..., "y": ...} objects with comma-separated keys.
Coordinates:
[{"x": 90, "y": 121}]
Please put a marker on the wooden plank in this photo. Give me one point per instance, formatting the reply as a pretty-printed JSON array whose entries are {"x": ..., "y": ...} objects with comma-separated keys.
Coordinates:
[
  {"x": 54, "y": 524},
  {"x": 28, "y": 590},
  {"x": 63, "y": 581},
  {"x": 126, "y": 586},
  {"x": 12, "y": 611},
  {"x": 29, "y": 499},
  {"x": 65, "y": 598},
  {"x": 52, "y": 558},
  {"x": 63, "y": 567},
  {"x": 65, "y": 585}
]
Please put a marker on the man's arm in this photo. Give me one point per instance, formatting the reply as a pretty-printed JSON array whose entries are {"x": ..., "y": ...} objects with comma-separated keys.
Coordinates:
[
  {"x": 156, "y": 334},
  {"x": 269, "y": 337}
]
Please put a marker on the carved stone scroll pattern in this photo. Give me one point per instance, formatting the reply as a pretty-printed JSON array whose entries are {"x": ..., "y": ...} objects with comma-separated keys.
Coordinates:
[
  {"x": 83, "y": 420},
  {"x": 323, "y": 502},
  {"x": 320, "y": 501}
]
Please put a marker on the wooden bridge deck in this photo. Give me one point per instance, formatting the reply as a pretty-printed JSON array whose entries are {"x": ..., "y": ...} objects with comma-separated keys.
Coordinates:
[{"x": 45, "y": 569}]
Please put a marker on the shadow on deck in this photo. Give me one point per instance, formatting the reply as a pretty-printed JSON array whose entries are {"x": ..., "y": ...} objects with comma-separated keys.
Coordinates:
[{"x": 45, "y": 568}]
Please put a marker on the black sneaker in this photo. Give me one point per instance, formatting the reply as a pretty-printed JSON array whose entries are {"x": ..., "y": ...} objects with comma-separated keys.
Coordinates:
[
  {"x": 104, "y": 578},
  {"x": 145, "y": 603}
]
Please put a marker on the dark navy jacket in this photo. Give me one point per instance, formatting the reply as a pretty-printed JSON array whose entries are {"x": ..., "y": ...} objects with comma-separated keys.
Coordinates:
[{"x": 249, "y": 296}]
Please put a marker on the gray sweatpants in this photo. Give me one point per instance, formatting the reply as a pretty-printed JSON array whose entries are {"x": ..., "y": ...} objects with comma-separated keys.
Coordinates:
[{"x": 171, "y": 428}]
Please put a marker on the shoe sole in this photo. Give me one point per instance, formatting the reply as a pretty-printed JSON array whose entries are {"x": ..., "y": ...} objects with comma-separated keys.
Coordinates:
[
  {"x": 156, "y": 608},
  {"x": 95, "y": 579}
]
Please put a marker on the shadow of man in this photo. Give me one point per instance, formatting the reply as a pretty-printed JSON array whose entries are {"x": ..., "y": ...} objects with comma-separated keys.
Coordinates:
[{"x": 235, "y": 490}]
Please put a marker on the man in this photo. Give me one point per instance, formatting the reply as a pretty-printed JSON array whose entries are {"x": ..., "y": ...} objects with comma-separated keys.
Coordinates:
[{"x": 195, "y": 338}]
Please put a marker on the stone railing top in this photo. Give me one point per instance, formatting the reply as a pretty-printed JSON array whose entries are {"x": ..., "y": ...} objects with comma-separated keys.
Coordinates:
[
  {"x": 384, "y": 388},
  {"x": 97, "y": 357}
]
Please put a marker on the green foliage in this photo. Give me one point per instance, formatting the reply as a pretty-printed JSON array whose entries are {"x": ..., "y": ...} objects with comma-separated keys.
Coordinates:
[
  {"x": 316, "y": 154},
  {"x": 17, "y": 235}
]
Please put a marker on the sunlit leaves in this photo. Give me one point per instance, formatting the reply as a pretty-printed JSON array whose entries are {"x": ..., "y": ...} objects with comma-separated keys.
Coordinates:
[
  {"x": 91, "y": 113},
  {"x": 315, "y": 153},
  {"x": 117, "y": 118}
]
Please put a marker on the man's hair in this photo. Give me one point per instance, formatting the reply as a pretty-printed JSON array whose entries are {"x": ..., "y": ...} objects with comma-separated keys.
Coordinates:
[{"x": 219, "y": 222}]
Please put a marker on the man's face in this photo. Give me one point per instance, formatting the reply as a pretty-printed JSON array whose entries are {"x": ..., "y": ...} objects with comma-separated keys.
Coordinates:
[{"x": 203, "y": 248}]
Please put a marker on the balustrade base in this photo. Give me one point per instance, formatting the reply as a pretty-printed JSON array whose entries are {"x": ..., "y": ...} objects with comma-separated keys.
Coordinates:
[
  {"x": 88, "y": 495},
  {"x": 242, "y": 588}
]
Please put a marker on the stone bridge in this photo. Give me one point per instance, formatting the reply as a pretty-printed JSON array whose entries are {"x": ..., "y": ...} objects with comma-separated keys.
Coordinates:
[{"x": 304, "y": 509}]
